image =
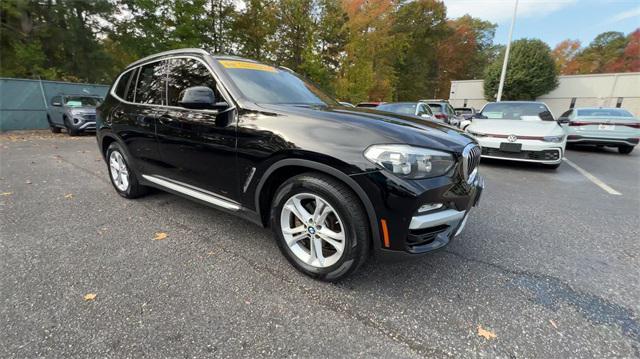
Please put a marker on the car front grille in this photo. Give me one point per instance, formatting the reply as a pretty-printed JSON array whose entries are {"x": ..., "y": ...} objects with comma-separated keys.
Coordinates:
[
  {"x": 470, "y": 160},
  {"x": 545, "y": 155},
  {"x": 89, "y": 117}
]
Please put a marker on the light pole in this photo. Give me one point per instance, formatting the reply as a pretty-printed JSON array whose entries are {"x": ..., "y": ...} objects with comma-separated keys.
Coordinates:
[{"x": 506, "y": 54}]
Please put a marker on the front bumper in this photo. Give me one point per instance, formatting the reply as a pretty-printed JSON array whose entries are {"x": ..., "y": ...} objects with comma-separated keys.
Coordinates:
[
  {"x": 83, "y": 122},
  {"x": 607, "y": 141},
  {"x": 396, "y": 205},
  {"x": 532, "y": 150}
]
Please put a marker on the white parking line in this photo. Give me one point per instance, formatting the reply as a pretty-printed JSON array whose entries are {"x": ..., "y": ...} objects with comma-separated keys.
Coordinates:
[{"x": 593, "y": 178}]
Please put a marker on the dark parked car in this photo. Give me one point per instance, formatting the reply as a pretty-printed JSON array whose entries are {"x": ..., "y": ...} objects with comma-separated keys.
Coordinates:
[
  {"x": 369, "y": 104},
  {"x": 334, "y": 183},
  {"x": 75, "y": 113}
]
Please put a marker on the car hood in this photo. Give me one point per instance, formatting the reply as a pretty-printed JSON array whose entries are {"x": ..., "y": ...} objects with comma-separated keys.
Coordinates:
[
  {"x": 365, "y": 127},
  {"x": 85, "y": 110},
  {"x": 515, "y": 127}
]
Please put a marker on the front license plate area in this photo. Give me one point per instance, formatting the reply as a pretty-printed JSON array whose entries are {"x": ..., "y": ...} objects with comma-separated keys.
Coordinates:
[
  {"x": 511, "y": 147},
  {"x": 606, "y": 127}
]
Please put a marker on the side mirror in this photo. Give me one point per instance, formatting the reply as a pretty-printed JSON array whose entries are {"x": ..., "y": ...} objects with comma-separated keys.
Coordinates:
[
  {"x": 563, "y": 120},
  {"x": 198, "y": 97}
]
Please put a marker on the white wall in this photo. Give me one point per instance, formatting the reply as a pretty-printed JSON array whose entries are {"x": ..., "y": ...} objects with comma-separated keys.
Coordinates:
[{"x": 589, "y": 90}]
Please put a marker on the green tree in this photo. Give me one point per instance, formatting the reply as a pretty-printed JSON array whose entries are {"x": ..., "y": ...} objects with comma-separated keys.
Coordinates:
[
  {"x": 531, "y": 72},
  {"x": 254, "y": 29}
]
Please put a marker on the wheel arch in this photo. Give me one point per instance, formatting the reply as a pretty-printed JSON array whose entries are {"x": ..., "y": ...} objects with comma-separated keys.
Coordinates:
[{"x": 273, "y": 177}]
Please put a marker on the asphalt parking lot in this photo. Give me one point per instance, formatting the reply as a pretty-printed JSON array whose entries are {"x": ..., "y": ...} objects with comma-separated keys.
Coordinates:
[{"x": 548, "y": 265}]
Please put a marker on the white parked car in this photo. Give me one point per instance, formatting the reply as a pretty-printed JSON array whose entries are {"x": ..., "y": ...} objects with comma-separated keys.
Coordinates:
[{"x": 519, "y": 131}]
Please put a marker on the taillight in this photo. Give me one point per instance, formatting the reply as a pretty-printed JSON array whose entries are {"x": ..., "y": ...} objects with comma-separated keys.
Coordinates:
[
  {"x": 579, "y": 123},
  {"x": 440, "y": 116},
  {"x": 633, "y": 125}
]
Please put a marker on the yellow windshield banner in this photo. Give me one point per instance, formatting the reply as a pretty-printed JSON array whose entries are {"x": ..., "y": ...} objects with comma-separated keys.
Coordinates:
[{"x": 232, "y": 64}]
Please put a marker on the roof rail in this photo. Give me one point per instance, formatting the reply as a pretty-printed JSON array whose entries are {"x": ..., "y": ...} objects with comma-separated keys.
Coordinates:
[{"x": 170, "y": 52}]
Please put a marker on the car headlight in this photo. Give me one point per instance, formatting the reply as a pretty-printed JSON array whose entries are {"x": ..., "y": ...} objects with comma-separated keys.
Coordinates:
[
  {"x": 555, "y": 139},
  {"x": 410, "y": 162}
]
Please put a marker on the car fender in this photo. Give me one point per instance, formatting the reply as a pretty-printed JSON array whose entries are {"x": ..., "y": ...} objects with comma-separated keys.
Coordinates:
[{"x": 320, "y": 167}]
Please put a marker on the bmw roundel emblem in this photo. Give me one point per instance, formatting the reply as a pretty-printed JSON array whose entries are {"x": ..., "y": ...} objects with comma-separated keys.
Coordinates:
[{"x": 512, "y": 138}]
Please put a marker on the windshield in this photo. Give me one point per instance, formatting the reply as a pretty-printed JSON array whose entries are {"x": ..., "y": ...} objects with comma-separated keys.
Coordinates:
[
  {"x": 604, "y": 112},
  {"x": 516, "y": 111},
  {"x": 401, "y": 108},
  {"x": 82, "y": 101},
  {"x": 266, "y": 84}
]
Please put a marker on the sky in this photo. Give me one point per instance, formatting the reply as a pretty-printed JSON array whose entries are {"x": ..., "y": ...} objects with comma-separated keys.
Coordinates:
[{"x": 552, "y": 20}]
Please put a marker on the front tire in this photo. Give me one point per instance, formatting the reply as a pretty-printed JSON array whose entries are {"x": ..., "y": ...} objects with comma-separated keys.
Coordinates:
[
  {"x": 52, "y": 127},
  {"x": 320, "y": 226},
  {"x": 70, "y": 130},
  {"x": 625, "y": 149},
  {"x": 123, "y": 179}
]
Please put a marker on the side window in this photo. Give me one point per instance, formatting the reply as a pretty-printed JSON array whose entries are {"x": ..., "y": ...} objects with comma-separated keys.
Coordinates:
[
  {"x": 131, "y": 90},
  {"x": 121, "y": 86},
  {"x": 151, "y": 83},
  {"x": 185, "y": 73},
  {"x": 422, "y": 110}
]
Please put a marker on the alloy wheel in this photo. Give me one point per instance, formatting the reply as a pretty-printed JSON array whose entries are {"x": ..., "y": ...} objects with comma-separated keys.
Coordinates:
[
  {"x": 119, "y": 171},
  {"x": 312, "y": 230}
]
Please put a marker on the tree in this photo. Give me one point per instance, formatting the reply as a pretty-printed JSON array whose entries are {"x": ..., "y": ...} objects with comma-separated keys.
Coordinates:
[
  {"x": 367, "y": 71},
  {"x": 418, "y": 30},
  {"x": 564, "y": 55},
  {"x": 531, "y": 72},
  {"x": 254, "y": 28},
  {"x": 465, "y": 52},
  {"x": 602, "y": 52}
]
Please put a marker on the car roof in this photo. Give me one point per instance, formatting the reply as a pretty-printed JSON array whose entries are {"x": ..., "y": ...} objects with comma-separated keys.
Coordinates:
[
  {"x": 599, "y": 108},
  {"x": 536, "y": 102},
  {"x": 401, "y": 102},
  {"x": 188, "y": 51}
]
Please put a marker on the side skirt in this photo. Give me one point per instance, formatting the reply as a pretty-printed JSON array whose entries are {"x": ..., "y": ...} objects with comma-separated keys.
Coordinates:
[{"x": 199, "y": 195}]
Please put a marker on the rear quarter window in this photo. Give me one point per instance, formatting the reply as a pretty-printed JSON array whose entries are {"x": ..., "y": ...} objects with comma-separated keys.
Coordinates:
[{"x": 123, "y": 84}]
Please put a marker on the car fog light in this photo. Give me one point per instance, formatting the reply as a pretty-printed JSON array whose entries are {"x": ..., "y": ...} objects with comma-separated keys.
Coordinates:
[{"x": 429, "y": 207}]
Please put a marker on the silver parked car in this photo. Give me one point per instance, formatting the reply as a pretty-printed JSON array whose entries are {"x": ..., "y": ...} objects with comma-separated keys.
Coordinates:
[{"x": 75, "y": 113}]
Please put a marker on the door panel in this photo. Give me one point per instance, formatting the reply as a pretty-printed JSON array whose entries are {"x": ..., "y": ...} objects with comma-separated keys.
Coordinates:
[
  {"x": 136, "y": 123},
  {"x": 198, "y": 147}
]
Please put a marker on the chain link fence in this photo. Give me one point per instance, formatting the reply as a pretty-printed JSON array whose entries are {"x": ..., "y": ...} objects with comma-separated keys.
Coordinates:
[{"x": 24, "y": 102}]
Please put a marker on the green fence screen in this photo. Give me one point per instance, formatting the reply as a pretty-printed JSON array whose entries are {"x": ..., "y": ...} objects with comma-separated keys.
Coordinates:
[{"x": 24, "y": 103}]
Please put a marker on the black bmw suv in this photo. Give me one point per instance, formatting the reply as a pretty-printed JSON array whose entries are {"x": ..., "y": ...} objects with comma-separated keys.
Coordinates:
[{"x": 334, "y": 183}]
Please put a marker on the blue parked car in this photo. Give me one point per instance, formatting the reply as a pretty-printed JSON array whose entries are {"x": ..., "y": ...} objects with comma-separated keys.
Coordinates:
[{"x": 613, "y": 127}]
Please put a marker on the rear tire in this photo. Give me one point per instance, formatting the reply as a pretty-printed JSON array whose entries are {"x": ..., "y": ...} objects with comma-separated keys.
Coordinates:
[
  {"x": 625, "y": 149},
  {"x": 342, "y": 233},
  {"x": 123, "y": 179}
]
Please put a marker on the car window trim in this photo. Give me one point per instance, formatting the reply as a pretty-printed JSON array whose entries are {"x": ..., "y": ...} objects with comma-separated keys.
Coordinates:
[{"x": 221, "y": 88}]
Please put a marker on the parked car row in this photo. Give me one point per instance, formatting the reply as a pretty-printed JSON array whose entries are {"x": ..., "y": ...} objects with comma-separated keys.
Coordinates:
[{"x": 527, "y": 131}]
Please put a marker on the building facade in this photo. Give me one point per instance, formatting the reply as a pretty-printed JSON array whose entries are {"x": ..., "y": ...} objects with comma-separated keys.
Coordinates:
[{"x": 596, "y": 90}]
